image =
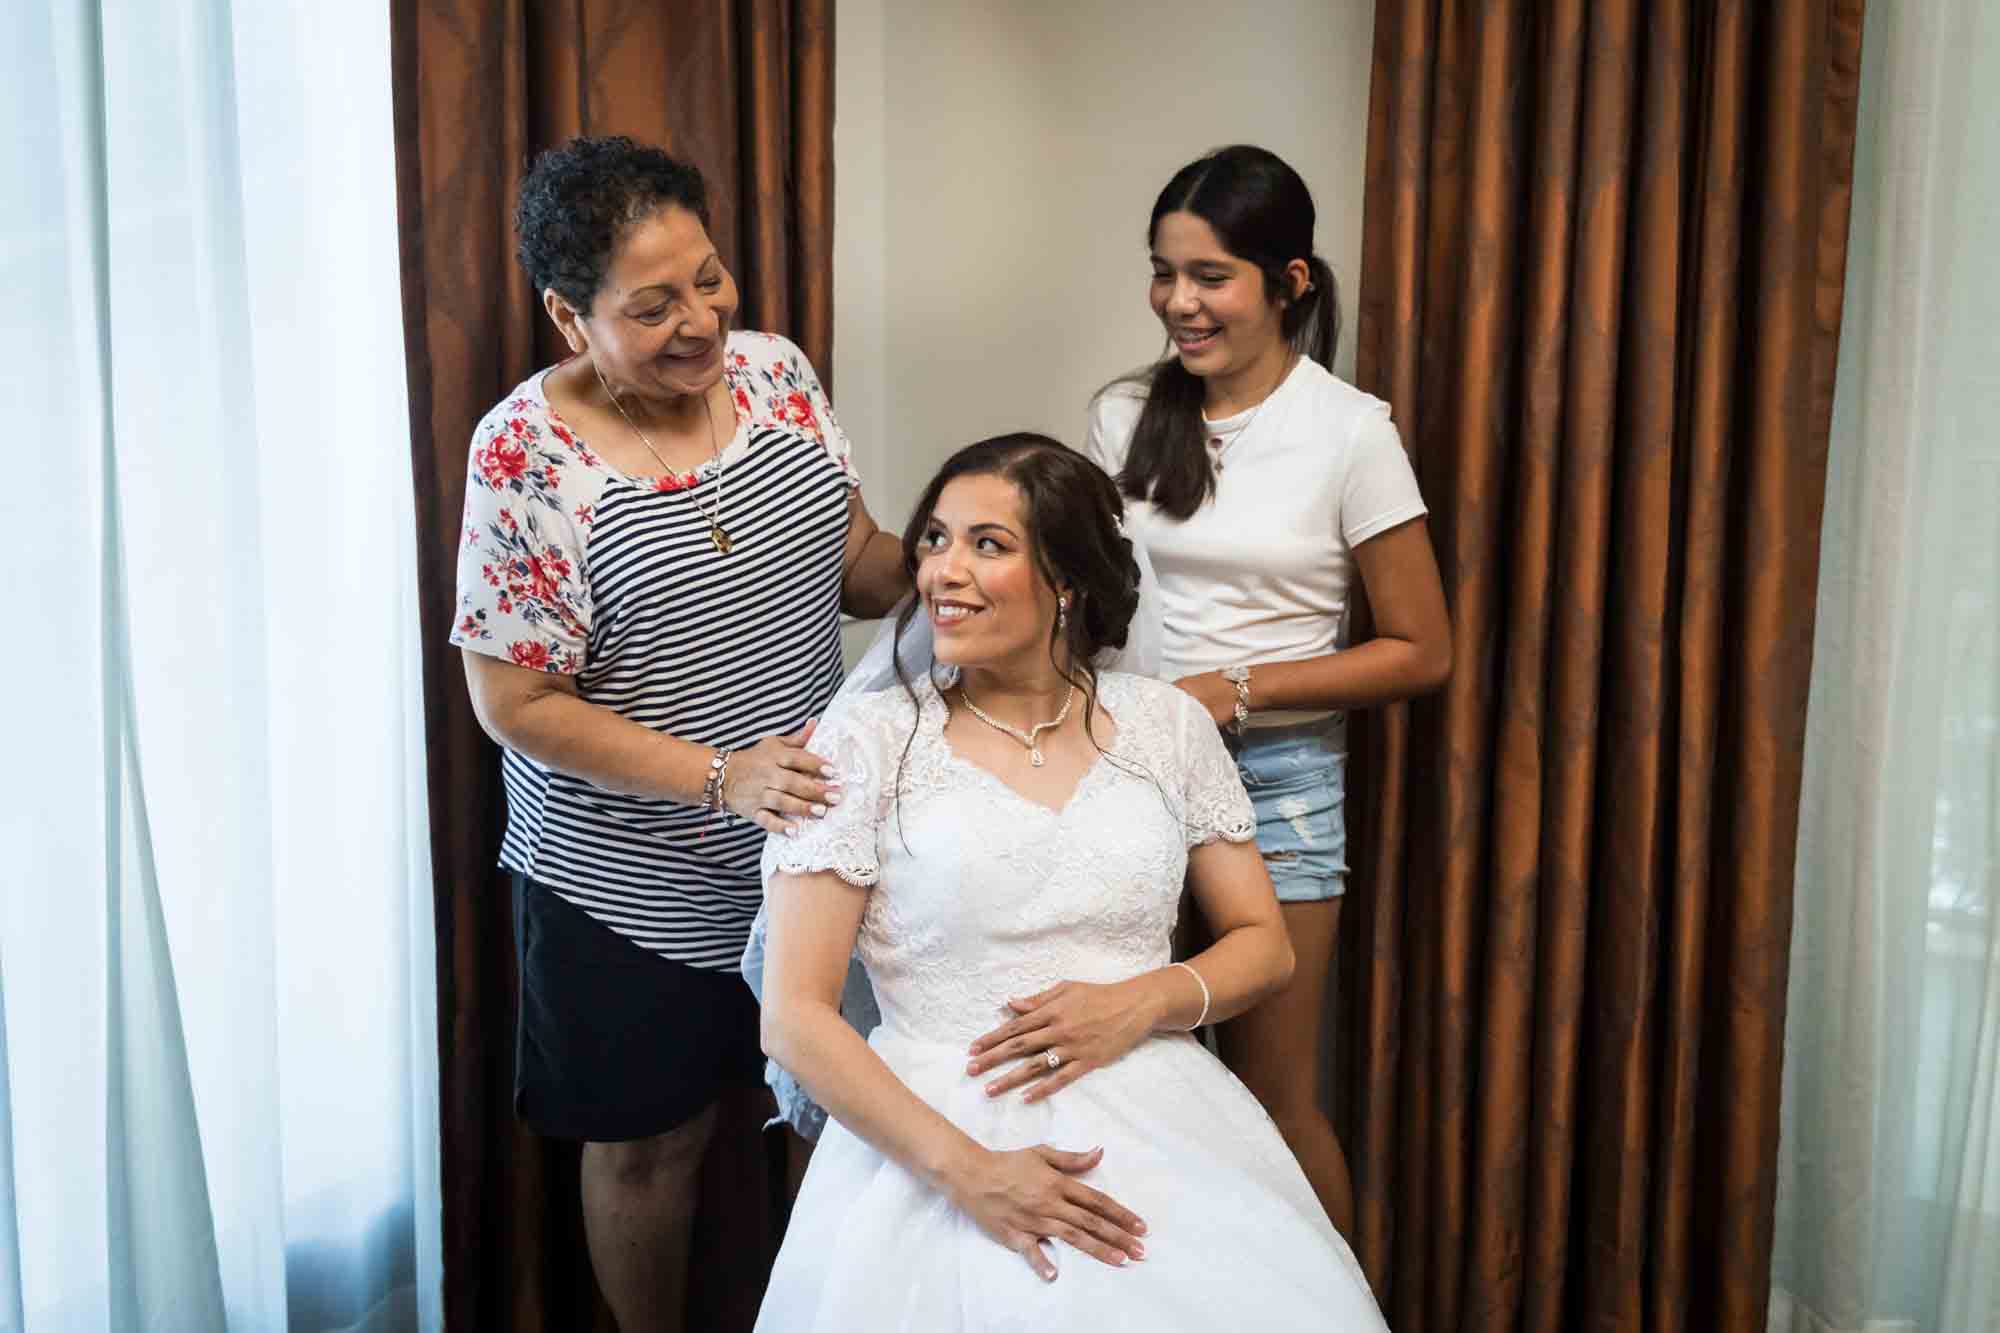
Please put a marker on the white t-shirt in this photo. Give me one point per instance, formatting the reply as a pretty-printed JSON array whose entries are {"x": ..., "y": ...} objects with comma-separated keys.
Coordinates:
[{"x": 1261, "y": 572}]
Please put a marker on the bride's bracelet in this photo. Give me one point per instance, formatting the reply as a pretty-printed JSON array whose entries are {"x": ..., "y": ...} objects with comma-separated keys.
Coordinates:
[{"x": 1204, "y": 995}]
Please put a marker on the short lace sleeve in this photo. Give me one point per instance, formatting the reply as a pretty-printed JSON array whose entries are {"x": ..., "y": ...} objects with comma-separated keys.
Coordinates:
[
  {"x": 522, "y": 595},
  {"x": 1214, "y": 804},
  {"x": 845, "y": 839}
]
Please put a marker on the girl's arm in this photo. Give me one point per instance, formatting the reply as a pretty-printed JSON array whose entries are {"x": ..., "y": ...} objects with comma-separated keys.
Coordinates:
[{"x": 1409, "y": 655}]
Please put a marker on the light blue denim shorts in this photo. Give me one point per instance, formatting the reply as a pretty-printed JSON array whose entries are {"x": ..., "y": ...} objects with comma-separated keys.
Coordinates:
[{"x": 1297, "y": 779}]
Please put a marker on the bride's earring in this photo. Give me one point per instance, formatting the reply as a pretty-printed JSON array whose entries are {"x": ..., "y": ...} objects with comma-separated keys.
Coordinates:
[{"x": 1062, "y": 616}]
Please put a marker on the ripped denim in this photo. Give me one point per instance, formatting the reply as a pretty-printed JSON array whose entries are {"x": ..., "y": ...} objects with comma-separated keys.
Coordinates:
[{"x": 1297, "y": 779}]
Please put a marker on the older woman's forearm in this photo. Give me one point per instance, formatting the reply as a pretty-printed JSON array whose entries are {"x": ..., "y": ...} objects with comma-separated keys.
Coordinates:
[
  {"x": 877, "y": 579},
  {"x": 584, "y": 740}
]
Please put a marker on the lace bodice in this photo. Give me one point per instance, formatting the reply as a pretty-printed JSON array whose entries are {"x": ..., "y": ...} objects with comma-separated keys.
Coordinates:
[{"x": 981, "y": 893}]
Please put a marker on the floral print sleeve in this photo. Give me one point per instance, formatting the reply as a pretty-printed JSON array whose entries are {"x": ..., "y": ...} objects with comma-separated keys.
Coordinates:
[
  {"x": 522, "y": 596},
  {"x": 775, "y": 385}
]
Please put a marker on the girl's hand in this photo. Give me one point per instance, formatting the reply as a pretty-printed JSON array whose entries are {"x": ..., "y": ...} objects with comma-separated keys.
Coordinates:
[
  {"x": 1024, "y": 1197},
  {"x": 1087, "y": 1026},
  {"x": 1216, "y": 695}
]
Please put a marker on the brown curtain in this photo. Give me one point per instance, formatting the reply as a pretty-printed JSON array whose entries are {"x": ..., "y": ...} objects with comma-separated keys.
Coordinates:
[
  {"x": 1601, "y": 286},
  {"x": 745, "y": 89}
]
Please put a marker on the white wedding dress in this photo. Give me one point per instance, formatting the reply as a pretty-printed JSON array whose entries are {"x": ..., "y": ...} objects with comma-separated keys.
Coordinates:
[{"x": 978, "y": 893}]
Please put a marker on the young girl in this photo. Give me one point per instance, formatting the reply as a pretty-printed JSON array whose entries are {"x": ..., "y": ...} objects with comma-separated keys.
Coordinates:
[{"x": 1263, "y": 487}]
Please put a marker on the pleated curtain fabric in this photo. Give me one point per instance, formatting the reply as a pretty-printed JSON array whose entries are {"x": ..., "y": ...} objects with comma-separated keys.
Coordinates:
[
  {"x": 1601, "y": 285},
  {"x": 745, "y": 89}
]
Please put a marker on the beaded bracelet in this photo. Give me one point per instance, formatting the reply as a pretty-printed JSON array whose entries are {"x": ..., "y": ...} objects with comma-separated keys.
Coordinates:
[{"x": 711, "y": 787}]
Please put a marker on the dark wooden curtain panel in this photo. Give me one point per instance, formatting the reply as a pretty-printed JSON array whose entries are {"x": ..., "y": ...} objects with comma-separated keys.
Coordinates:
[{"x": 1601, "y": 285}]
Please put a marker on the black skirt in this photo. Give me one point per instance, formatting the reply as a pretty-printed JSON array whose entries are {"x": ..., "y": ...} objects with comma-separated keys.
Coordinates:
[{"x": 615, "y": 1042}]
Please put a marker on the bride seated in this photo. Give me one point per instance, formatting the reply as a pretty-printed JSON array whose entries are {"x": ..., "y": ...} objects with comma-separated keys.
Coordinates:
[{"x": 1007, "y": 852}]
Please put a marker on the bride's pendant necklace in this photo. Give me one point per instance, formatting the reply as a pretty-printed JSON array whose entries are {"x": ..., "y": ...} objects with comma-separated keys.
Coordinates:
[
  {"x": 1031, "y": 738},
  {"x": 718, "y": 536}
]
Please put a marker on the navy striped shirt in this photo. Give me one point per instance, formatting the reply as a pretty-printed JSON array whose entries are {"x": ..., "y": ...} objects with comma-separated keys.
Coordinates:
[{"x": 569, "y": 566}]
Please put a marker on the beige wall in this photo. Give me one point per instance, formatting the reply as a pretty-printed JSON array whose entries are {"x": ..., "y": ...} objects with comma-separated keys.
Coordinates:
[{"x": 994, "y": 166}]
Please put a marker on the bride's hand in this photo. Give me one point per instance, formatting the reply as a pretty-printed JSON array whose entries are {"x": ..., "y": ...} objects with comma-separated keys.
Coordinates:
[
  {"x": 1087, "y": 1026},
  {"x": 1024, "y": 1197}
]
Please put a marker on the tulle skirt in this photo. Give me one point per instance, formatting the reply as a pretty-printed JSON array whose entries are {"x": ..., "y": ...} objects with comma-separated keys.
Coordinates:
[{"x": 1235, "y": 1238}]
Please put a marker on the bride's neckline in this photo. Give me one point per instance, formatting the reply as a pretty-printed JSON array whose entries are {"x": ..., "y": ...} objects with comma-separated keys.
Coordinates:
[{"x": 934, "y": 722}]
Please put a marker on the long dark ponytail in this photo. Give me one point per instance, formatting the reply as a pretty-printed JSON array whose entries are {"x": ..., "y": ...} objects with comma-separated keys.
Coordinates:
[{"x": 1262, "y": 212}]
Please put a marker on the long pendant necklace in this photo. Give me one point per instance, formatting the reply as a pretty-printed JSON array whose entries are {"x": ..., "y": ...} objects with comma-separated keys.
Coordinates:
[
  {"x": 1031, "y": 738},
  {"x": 717, "y": 534}
]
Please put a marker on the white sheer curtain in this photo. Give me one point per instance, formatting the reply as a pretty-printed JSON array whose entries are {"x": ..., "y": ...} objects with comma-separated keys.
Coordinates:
[
  {"x": 1889, "y": 1194},
  {"x": 217, "y": 1042}
]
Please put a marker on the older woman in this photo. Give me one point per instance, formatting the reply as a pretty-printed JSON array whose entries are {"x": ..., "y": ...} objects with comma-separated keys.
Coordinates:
[{"x": 660, "y": 535}]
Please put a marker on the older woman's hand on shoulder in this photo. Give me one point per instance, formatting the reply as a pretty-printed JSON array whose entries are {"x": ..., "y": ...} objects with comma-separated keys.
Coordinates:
[{"x": 778, "y": 781}]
